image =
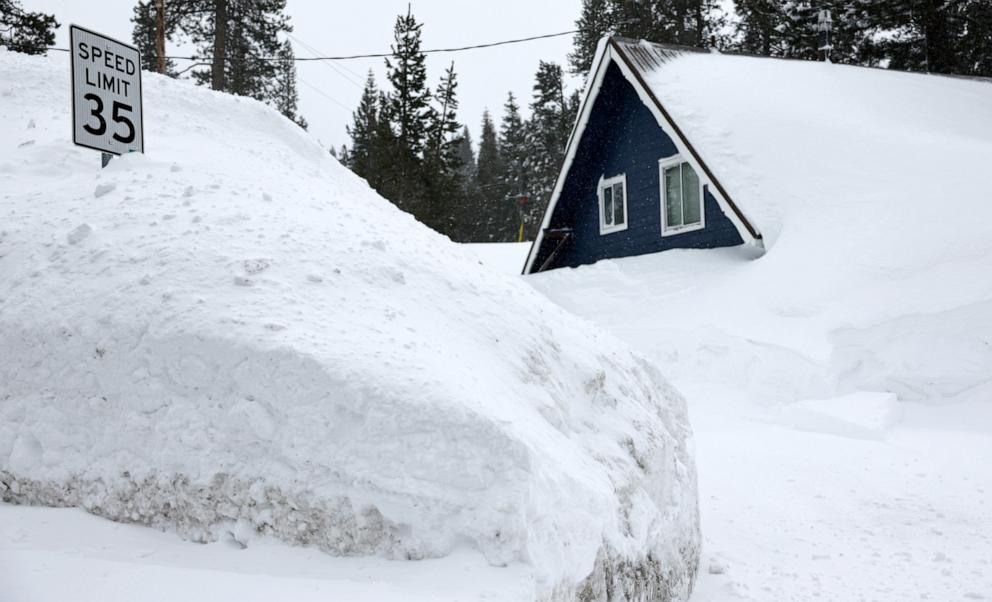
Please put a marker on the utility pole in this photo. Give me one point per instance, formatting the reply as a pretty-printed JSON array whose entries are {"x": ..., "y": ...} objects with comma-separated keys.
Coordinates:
[{"x": 160, "y": 36}]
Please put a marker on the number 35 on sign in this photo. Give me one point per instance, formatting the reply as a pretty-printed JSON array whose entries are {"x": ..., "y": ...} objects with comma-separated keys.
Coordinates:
[{"x": 106, "y": 93}]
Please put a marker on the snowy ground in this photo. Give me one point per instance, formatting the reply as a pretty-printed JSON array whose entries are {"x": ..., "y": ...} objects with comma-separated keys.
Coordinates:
[
  {"x": 859, "y": 496},
  {"x": 55, "y": 555}
]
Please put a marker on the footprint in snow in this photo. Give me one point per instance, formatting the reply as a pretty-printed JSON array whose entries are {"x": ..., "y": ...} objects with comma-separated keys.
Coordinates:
[{"x": 256, "y": 266}]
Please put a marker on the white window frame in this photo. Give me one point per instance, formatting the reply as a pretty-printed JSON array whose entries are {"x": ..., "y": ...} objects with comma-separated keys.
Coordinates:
[
  {"x": 603, "y": 184},
  {"x": 672, "y": 231}
]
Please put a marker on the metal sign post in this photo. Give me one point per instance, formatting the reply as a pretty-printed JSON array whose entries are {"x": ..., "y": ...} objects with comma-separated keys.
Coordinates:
[{"x": 107, "y": 111}]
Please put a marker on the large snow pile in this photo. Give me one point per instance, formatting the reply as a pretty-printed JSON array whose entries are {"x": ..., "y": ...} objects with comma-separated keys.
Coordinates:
[{"x": 233, "y": 334}]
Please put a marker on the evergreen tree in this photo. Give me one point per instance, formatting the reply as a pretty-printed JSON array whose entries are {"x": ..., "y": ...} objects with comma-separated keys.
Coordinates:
[
  {"x": 20, "y": 31},
  {"x": 496, "y": 216},
  {"x": 681, "y": 22},
  {"x": 237, "y": 35},
  {"x": 284, "y": 94},
  {"x": 789, "y": 29},
  {"x": 923, "y": 35},
  {"x": 179, "y": 15},
  {"x": 760, "y": 25},
  {"x": 442, "y": 165},
  {"x": 517, "y": 170},
  {"x": 596, "y": 21},
  {"x": 389, "y": 176},
  {"x": 442, "y": 143},
  {"x": 466, "y": 159},
  {"x": 409, "y": 111},
  {"x": 546, "y": 137},
  {"x": 364, "y": 130},
  {"x": 469, "y": 224},
  {"x": 976, "y": 42}
]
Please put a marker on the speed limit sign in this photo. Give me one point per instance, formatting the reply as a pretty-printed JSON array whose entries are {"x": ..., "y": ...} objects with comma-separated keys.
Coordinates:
[{"x": 106, "y": 93}]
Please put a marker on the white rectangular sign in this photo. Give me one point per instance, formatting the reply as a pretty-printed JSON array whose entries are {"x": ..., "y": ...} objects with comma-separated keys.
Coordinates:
[{"x": 106, "y": 93}]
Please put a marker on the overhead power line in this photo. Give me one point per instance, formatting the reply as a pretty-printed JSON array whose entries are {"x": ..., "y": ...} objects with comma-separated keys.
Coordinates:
[{"x": 377, "y": 55}]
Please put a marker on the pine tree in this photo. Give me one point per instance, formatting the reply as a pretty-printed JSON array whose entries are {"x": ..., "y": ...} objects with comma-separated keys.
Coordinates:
[
  {"x": 179, "y": 15},
  {"x": 496, "y": 216},
  {"x": 409, "y": 111},
  {"x": 597, "y": 20},
  {"x": 442, "y": 140},
  {"x": 547, "y": 134},
  {"x": 466, "y": 158},
  {"x": 364, "y": 130},
  {"x": 789, "y": 29},
  {"x": 389, "y": 176},
  {"x": 682, "y": 22},
  {"x": 759, "y": 26},
  {"x": 237, "y": 34},
  {"x": 442, "y": 165},
  {"x": 517, "y": 168},
  {"x": 284, "y": 94},
  {"x": 976, "y": 42},
  {"x": 20, "y": 31},
  {"x": 923, "y": 35},
  {"x": 469, "y": 222}
]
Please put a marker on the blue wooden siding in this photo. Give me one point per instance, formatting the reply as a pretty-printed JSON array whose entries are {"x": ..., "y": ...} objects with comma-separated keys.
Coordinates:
[{"x": 623, "y": 137}]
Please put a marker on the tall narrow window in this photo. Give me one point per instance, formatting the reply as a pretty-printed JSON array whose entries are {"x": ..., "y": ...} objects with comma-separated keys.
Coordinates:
[
  {"x": 613, "y": 204},
  {"x": 682, "y": 197}
]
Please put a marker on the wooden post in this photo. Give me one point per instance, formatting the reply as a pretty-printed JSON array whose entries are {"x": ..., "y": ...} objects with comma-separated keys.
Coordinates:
[
  {"x": 220, "y": 44},
  {"x": 160, "y": 36}
]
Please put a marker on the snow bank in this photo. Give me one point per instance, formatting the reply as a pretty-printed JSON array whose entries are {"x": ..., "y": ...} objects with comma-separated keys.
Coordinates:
[{"x": 233, "y": 334}]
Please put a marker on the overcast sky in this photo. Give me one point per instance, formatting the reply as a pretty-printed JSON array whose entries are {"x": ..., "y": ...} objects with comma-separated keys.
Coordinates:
[{"x": 329, "y": 92}]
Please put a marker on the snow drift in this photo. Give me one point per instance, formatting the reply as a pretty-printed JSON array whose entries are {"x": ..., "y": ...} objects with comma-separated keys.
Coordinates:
[{"x": 233, "y": 334}]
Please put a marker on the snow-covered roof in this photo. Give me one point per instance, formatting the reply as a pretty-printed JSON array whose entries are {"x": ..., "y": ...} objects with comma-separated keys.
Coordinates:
[
  {"x": 783, "y": 136},
  {"x": 818, "y": 152}
]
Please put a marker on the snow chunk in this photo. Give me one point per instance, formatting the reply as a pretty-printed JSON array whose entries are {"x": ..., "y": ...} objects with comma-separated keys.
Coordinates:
[
  {"x": 104, "y": 189},
  {"x": 79, "y": 234}
]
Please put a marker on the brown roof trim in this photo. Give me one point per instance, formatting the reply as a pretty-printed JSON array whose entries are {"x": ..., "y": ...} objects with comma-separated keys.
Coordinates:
[{"x": 678, "y": 131}]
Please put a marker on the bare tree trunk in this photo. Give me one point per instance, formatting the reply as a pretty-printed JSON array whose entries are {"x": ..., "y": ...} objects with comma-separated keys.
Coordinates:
[
  {"x": 160, "y": 36},
  {"x": 220, "y": 44}
]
